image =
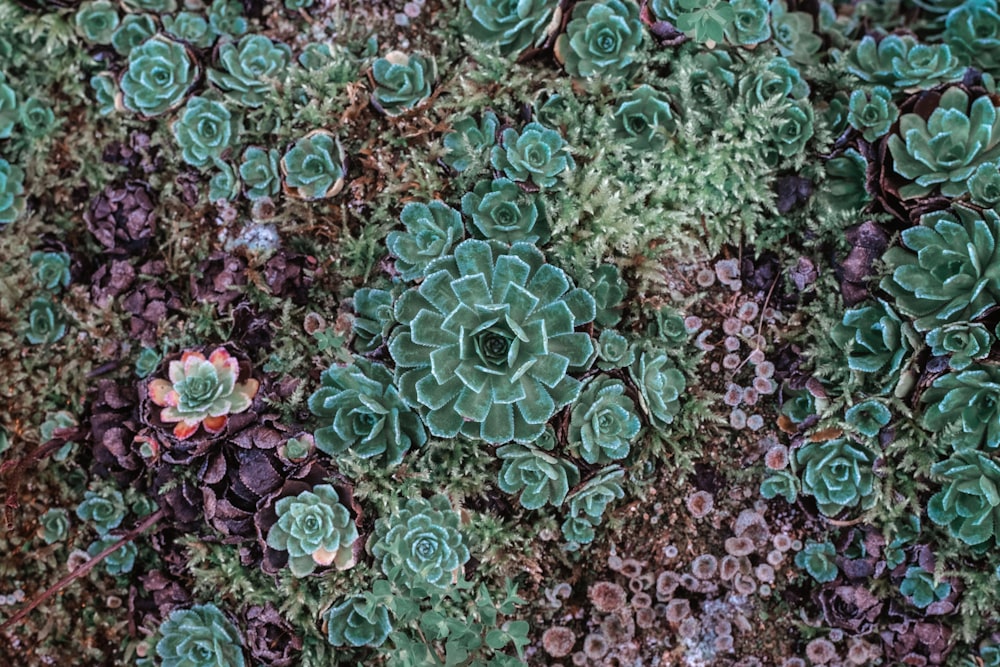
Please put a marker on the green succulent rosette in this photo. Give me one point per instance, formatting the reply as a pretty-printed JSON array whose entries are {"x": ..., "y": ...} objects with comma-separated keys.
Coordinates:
[
  {"x": 751, "y": 23},
  {"x": 420, "y": 546},
  {"x": 819, "y": 560},
  {"x": 603, "y": 422},
  {"x": 119, "y": 561},
  {"x": 365, "y": 414},
  {"x": 261, "y": 173},
  {"x": 315, "y": 529},
  {"x": 792, "y": 128},
  {"x": 45, "y": 322},
  {"x": 643, "y": 120},
  {"x": 779, "y": 79},
  {"x": 846, "y": 185},
  {"x": 875, "y": 343},
  {"x": 614, "y": 351},
  {"x": 205, "y": 130},
  {"x": 868, "y": 417},
  {"x": 152, "y": 6},
  {"x": 191, "y": 28},
  {"x": 96, "y": 21},
  {"x": 500, "y": 210},
  {"x": 602, "y": 38},
  {"x": 947, "y": 269},
  {"x": 12, "y": 201},
  {"x": 432, "y": 231},
  {"x": 838, "y": 474},
  {"x": 402, "y": 81},
  {"x": 250, "y": 68},
  {"x": 202, "y": 392},
  {"x": 920, "y": 587},
  {"x": 469, "y": 141},
  {"x": 160, "y": 73},
  {"x": 588, "y": 504},
  {"x": 53, "y": 526},
  {"x": 8, "y": 108},
  {"x": 199, "y": 636},
  {"x": 314, "y": 168},
  {"x": 943, "y": 151},
  {"x": 51, "y": 269},
  {"x": 872, "y": 113},
  {"x": 133, "y": 31},
  {"x": 962, "y": 343},
  {"x": 224, "y": 185},
  {"x": 104, "y": 510},
  {"x": 37, "y": 118},
  {"x": 537, "y": 153},
  {"x": 660, "y": 386},
  {"x": 226, "y": 18},
  {"x": 780, "y": 484},
  {"x": 984, "y": 185},
  {"x": 972, "y": 30},
  {"x": 105, "y": 91},
  {"x": 902, "y": 63},
  {"x": 513, "y": 26},
  {"x": 964, "y": 407},
  {"x": 354, "y": 622},
  {"x": 373, "y": 318},
  {"x": 487, "y": 340},
  {"x": 968, "y": 503},
  {"x": 540, "y": 477},
  {"x": 793, "y": 33}
]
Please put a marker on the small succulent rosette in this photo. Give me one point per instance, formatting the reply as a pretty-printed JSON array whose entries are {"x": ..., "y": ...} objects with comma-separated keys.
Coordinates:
[
  {"x": 315, "y": 167},
  {"x": 304, "y": 497},
  {"x": 197, "y": 402}
]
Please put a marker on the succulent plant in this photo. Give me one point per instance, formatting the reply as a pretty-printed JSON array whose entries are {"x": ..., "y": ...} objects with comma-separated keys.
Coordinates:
[
  {"x": 8, "y": 108},
  {"x": 354, "y": 622},
  {"x": 204, "y": 131},
  {"x": 51, "y": 269},
  {"x": 972, "y": 30},
  {"x": 603, "y": 422},
  {"x": 374, "y": 318},
  {"x": 969, "y": 503},
  {"x": 536, "y": 153},
  {"x": 793, "y": 33},
  {"x": 468, "y": 141},
  {"x": 538, "y": 475},
  {"x": 420, "y": 546},
  {"x": 160, "y": 73},
  {"x": 250, "y": 68},
  {"x": 781, "y": 483},
  {"x": 53, "y": 525},
  {"x": 12, "y": 201},
  {"x": 660, "y": 386},
  {"x": 501, "y": 211},
  {"x": 838, "y": 473},
  {"x": 817, "y": 558},
  {"x": 432, "y": 231},
  {"x": 962, "y": 342},
  {"x": 37, "y": 118},
  {"x": 613, "y": 351},
  {"x": 868, "y": 417},
  {"x": 602, "y": 38},
  {"x": 96, "y": 21},
  {"x": 365, "y": 412},
  {"x": 485, "y": 342},
  {"x": 513, "y": 26},
  {"x": 402, "y": 81},
  {"x": 846, "y": 180},
  {"x": 588, "y": 504},
  {"x": 920, "y": 587},
  {"x": 105, "y": 510},
  {"x": 202, "y": 392},
  {"x": 119, "y": 561},
  {"x": 191, "y": 28},
  {"x": 872, "y": 113},
  {"x": 943, "y": 150},
  {"x": 226, "y": 18},
  {"x": 792, "y": 128},
  {"x": 901, "y": 62},
  {"x": 964, "y": 406},
  {"x": 314, "y": 167},
  {"x": 751, "y": 23},
  {"x": 643, "y": 120},
  {"x": 315, "y": 530},
  {"x": 797, "y": 404},
  {"x": 45, "y": 322},
  {"x": 199, "y": 636},
  {"x": 948, "y": 270},
  {"x": 147, "y": 362},
  {"x": 778, "y": 80},
  {"x": 133, "y": 31},
  {"x": 224, "y": 183},
  {"x": 984, "y": 185},
  {"x": 608, "y": 289},
  {"x": 260, "y": 172},
  {"x": 875, "y": 342},
  {"x": 105, "y": 89},
  {"x": 152, "y": 6}
]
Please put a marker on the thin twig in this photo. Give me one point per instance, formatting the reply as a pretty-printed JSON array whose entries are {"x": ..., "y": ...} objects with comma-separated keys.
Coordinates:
[{"x": 82, "y": 570}]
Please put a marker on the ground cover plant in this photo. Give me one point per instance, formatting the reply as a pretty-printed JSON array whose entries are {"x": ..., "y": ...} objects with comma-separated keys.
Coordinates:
[{"x": 493, "y": 333}]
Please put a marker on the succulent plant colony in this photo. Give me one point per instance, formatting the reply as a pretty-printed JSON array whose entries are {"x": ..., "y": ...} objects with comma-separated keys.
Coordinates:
[{"x": 337, "y": 327}]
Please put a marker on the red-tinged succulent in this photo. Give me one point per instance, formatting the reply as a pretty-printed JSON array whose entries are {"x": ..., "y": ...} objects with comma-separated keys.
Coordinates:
[{"x": 202, "y": 392}]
